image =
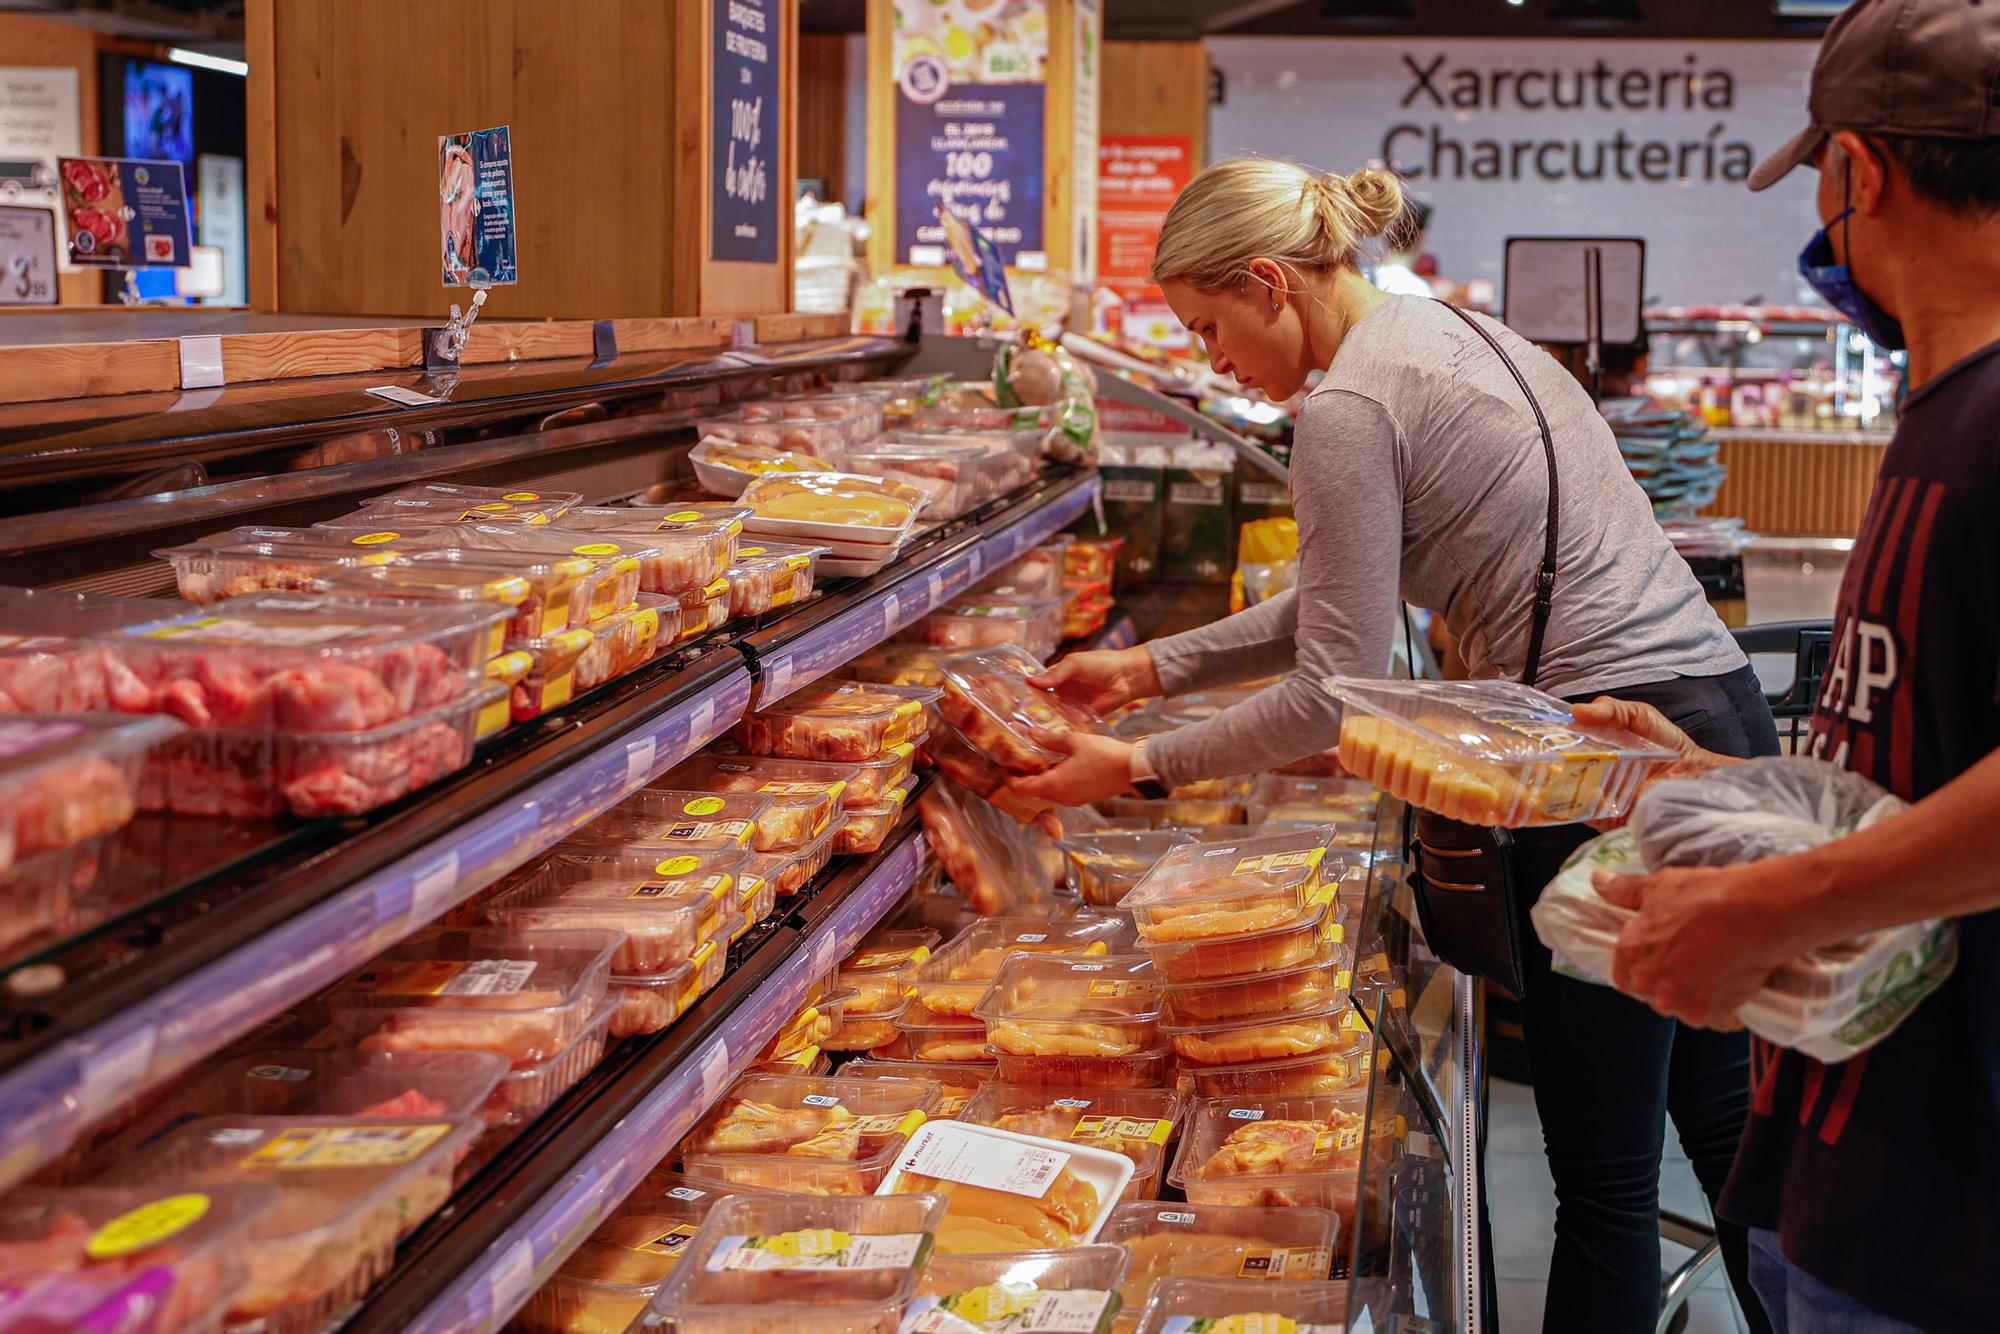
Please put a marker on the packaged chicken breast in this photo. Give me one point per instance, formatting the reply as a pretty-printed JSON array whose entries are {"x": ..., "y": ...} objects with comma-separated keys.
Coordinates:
[
  {"x": 875, "y": 779},
  {"x": 860, "y": 412},
  {"x": 649, "y": 1004},
  {"x": 864, "y": 829},
  {"x": 973, "y": 769},
  {"x": 1310, "y": 986},
  {"x": 996, "y": 863},
  {"x": 788, "y": 1265},
  {"x": 663, "y": 920},
  {"x": 790, "y": 872},
  {"x": 959, "y": 1079},
  {"x": 809, "y": 1136},
  {"x": 1295, "y": 1245},
  {"x": 1193, "y": 814},
  {"x": 1283, "y": 1150},
  {"x": 348, "y": 1189},
  {"x": 618, "y": 561},
  {"x": 608, "y": 1280},
  {"x": 704, "y": 609},
  {"x": 1073, "y": 1290},
  {"x": 725, "y": 466},
  {"x": 950, "y": 474},
  {"x": 1106, "y": 865},
  {"x": 1212, "y": 891},
  {"x": 806, "y": 799},
  {"x": 669, "y": 820},
  {"x": 224, "y": 567},
  {"x": 525, "y": 1093},
  {"x": 1183, "y": 1304},
  {"x": 881, "y": 972},
  {"x": 898, "y": 664},
  {"x": 988, "y": 697},
  {"x": 449, "y": 502},
  {"x": 1008, "y": 1192},
  {"x": 554, "y": 583},
  {"x": 522, "y": 994},
  {"x": 1346, "y": 1067},
  {"x": 550, "y": 680},
  {"x": 1139, "y": 1123},
  {"x": 1049, "y": 1005},
  {"x": 837, "y": 506},
  {"x": 1488, "y": 752},
  {"x": 695, "y": 544},
  {"x": 924, "y": 1035},
  {"x": 954, "y": 980},
  {"x": 766, "y": 576},
  {"x": 845, "y": 721},
  {"x": 826, "y": 441},
  {"x": 628, "y": 640},
  {"x": 1274, "y": 1036}
]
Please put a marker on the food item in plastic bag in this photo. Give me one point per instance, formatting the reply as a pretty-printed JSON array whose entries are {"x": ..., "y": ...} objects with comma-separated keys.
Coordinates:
[
  {"x": 845, "y": 721},
  {"x": 1292, "y": 1245},
  {"x": 1488, "y": 752},
  {"x": 1829, "y": 1004},
  {"x": 807, "y": 1135},
  {"x": 788, "y": 1265},
  {"x": 989, "y": 699},
  {"x": 1045, "y": 373},
  {"x": 974, "y": 770},
  {"x": 1008, "y": 1192}
]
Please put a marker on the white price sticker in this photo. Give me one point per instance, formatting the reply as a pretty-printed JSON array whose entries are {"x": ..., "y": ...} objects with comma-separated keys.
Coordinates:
[
  {"x": 1246, "y": 1114},
  {"x": 513, "y": 1280},
  {"x": 435, "y": 890},
  {"x": 638, "y": 761},
  {"x": 1017, "y": 1169},
  {"x": 112, "y": 1074},
  {"x": 408, "y": 398},
  {"x": 714, "y": 1071}
]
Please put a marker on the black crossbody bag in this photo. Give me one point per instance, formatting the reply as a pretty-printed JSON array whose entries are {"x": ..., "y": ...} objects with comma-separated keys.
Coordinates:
[{"x": 1467, "y": 901}]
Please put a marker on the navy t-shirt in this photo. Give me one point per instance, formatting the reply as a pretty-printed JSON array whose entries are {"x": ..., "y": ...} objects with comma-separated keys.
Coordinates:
[{"x": 1881, "y": 1175}]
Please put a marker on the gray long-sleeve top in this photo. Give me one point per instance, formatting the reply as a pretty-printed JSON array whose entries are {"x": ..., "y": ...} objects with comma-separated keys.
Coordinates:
[{"x": 1418, "y": 474}]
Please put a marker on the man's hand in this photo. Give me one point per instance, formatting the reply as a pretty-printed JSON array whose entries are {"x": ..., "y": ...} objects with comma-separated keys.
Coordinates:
[
  {"x": 1094, "y": 767},
  {"x": 1103, "y": 679},
  {"x": 1647, "y": 722},
  {"x": 1705, "y": 940}
]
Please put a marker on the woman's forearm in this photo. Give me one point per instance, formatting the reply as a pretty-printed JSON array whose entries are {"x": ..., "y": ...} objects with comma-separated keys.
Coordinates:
[{"x": 1254, "y": 643}]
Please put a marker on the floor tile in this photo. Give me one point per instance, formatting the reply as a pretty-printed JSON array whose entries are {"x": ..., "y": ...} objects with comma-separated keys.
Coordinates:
[
  {"x": 1681, "y": 1193},
  {"x": 1511, "y": 1123},
  {"x": 1521, "y": 1305},
  {"x": 1522, "y": 1205},
  {"x": 1710, "y": 1312}
]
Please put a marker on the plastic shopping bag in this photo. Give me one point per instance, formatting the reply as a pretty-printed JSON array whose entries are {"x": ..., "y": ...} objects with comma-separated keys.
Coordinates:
[{"x": 1829, "y": 1004}]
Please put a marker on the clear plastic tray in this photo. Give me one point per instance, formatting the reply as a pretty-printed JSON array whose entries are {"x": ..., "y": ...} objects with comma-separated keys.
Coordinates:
[
  {"x": 704, "y": 609},
  {"x": 649, "y": 1004},
  {"x": 1026, "y": 419},
  {"x": 554, "y": 582},
  {"x": 952, "y": 982},
  {"x": 1072, "y": 1289},
  {"x": 790, "y": 872},
  {"x": 869, "y": 1030},
  {"x": 1321, "y": 1072},
  {"x": 959, "y": 1079},
  {"x": 608, "y": 1280},
  {"x": 1093, "y": 558},
  {"x": 725, "y": 466},
  {"x": 550, "y": 681},
  {"x": 1182, "y": 1304},
  {"x": 1039, "y": 573},
  {"x": 1271, "y": 1037},
  {"x": 348, "y": 1190},
  {"x": 875, "y": 779},
  {"x": 1308, "y": 987},
  {"x": 448, "y": 502},
  {"x": 696, "y": 545},
  {"x": 845, "y": 507},
  {"x": 766, "y": 576},
  {"x": 1278, "y": 950},
  {"x": 974, "y": 770},
  {"x": 899, "y": 664},
  {"x": 628, "y": 640},
  {"x": 1145, "y": 1070},
  {"x": 824, "y": 440},
  {"x": 1008, "y": 1192},
  {"x": 48, "y": 663},
  {"x": 949, "y": 474},
  {"x": 807, "y": 798},
  {"x": 1278, "y": 1151},
  {"x": 844, "y": 721},
  {"x": 1216, "y": 891},
  {"x": 256, "y": 774},
  {"x": 618, "y": 561},
  {"x": 865, "y": 829},
  {"x": 222, "y": 568},
  {"x": 861, "y": 412},
  {"x": 1215, "y": 1241},
  {"x": 1047, "y": 1005},
  {"x": 298, "y": 663},
  {"x": 923, "y": 1035},
  {"x": 318, "y": 1081},
  {"x": 989, "y": 700},
  {"x": 673, "y": 819},
  {"x": 1105, "y": 865},
  {"x": 523, "y": 994},
  {"x": 688, "y": 1199},
  {"x": 523, "y": 1095},
  {"x": 1488, "y": 752},
  {"x": 662, "y": 921},
  {"x": 1138, "y": 1123},
  {"x": 67, "y": 779},
  {"x": 881, "y": 969},
  {"x": 989, "y": 620},
  {"x": 807, "y": 1135},
  {"x": 585, "y": 859},
  {"x": 782, "y": 1265}
]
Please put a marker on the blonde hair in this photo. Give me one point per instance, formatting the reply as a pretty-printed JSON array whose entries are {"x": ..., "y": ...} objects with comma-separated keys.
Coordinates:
[{"x": 1254, "y": 207}]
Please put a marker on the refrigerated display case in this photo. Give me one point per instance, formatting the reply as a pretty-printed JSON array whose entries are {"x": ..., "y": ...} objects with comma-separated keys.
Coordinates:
[{"x": 1771, "y": 369}]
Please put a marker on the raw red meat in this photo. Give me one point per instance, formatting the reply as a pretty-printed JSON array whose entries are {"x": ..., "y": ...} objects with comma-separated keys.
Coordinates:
[
  {"x": 411, "y": 1102},
  {"x": 86, "y": 179},
  {"x": 260, "y": 777},
  {"x": 215, "y": 688}
]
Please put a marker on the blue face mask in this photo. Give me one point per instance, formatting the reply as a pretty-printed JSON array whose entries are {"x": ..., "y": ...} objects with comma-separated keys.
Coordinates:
[{"x": 1835, "y": 282}]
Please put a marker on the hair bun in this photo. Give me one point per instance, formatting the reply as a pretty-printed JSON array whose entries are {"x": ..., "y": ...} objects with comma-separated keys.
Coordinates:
[{"x": 1377, "y": 196}]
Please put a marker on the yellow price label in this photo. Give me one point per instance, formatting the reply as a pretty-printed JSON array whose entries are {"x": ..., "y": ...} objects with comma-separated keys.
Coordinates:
[
  {"x": 597, "y": 549},
  {"x": 680, "y": 865},
  {"x": 683, "y": 516},
  {"x": 519, "y": 496},
  {"x": 148, "y": 1225},
  {"x": 374, "y": 539},
  {"x": 703, "y": 806}
]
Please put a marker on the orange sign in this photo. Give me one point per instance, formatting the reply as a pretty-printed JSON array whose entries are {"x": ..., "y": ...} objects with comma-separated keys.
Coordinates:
[{"x": 1138, "y": 176}]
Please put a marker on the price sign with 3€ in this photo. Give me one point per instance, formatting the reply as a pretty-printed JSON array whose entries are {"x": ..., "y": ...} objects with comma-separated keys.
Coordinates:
[{"x": 27, "y": 257}]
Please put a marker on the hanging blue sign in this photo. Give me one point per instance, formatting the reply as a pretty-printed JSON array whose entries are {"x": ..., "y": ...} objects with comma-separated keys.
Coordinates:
[
  {"x": 476, "y": 208},
  {"x": 743, "y": 216},
  {"x": 975, "y": 149}
]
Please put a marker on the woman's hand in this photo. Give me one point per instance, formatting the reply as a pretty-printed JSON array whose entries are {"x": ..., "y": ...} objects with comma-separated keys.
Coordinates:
[
  {"x": 1648, "y": 723},
  {"x": 1103, "y": 679},
  {"x": 1093, "y": 768}
]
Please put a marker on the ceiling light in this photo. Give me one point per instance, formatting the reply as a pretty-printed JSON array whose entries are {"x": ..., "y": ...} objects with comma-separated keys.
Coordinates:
[{"x": 180, "y": 55}]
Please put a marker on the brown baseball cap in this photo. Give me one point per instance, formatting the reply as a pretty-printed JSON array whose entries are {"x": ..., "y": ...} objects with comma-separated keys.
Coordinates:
[{"x": 1917, "y": 67}]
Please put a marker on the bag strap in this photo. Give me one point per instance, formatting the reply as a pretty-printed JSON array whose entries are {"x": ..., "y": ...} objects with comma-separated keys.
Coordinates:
[{"x": 1545, "y": 582}]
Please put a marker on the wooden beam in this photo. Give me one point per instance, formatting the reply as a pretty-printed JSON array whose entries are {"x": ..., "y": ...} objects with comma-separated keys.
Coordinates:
[
  {"x": 260, "y": 149},
  {"x": 39, "y": 374}
]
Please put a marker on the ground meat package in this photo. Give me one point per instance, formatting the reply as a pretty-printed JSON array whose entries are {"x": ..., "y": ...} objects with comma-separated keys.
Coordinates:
[{"x": 1830, "y": 1003}]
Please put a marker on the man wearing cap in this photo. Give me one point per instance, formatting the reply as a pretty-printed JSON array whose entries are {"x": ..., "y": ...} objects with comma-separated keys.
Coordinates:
[{"x": 1872, "y": 1187}]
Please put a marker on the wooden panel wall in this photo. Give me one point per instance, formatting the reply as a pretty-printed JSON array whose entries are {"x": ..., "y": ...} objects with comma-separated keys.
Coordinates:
[
  {"x": 1157, "y": 88},
  {"x": 33, "y": 41},
  {"x": 823, "y": 108},
  {"x": 608, "y": 103},
  {"x": 1797, "y": 488}
]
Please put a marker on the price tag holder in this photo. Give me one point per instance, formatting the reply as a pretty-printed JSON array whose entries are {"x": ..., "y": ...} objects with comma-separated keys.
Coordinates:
[
  {"x": 408, "y": 398},
  {"x": 28, "y": 257}
]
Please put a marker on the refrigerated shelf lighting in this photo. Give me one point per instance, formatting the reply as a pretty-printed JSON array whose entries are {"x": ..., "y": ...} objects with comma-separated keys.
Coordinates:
[{"x": 180, "y": 55}]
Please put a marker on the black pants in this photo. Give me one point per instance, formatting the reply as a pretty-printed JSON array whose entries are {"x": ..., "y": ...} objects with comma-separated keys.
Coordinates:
[{"x": 1608, "y": 1070}]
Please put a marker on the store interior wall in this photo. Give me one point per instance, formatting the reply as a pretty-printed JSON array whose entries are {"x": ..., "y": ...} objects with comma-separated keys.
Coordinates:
[{"x": 25, "y": 40}]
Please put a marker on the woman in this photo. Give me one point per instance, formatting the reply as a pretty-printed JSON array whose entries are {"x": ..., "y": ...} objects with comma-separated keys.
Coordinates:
[{"x": 1418, "y": 474}]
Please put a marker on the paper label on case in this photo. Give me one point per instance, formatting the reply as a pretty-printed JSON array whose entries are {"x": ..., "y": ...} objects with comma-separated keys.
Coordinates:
[
  {"x": 345, "y": 1146},
  {"x": 868, "y": 963},
  {"x": 709, "y": 831},
  {"x": 817, "y": 1248},
  {"x": 669, "y": 1242},
  {"x": 1017, "y": 1169},
  {"x": 1144, "y": 1129},
  {"x": 1009, "y": 1308},
  {"x": 1279, "y": 861},
  {"x": 1296, "y": 1263},
  {"x": 820, "y": 1100},
  {"x": 802, "y": 789},
  {"x": 687, "y": 1194},
  {"x": 146, "y": 1226},
  {"x": 1247, "y": 1322},
  {"x": 890, "y": 1123},
  {"x": 237, "y": 630},
  {"x": 1246, "y": 1113},
  {"x": 449, "y": 977}
]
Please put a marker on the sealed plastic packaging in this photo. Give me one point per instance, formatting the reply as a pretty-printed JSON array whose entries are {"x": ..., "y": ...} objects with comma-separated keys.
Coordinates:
[
  {"x": 1308, "y": 987},
  {"x": 48, "y": 661},
  {"x": 1314, "y": 938},
  {"x": 1213, "y": 891},
  {"x": 875, "y": 779},
  {"x": 608, "y": 1280},
  {"x": 974, "y": 770},
  {"x": 880, "y": 972},
  {"x": 348, "y": 1189},
  {"x": 994, "y": 861},
  {"x": 134, "y": 1257},
  {"x": 1149, "y": 1069},
  {"x": 523, "y": 994},
  {"x": 1190, "y": 813},
  {"x": 845, "y": 721},
  {"x": 825, "y": 439},
  {"x": 704, "y": 609},
  {"x": 1024, "y": 418},
  {"x": 952, "y": 982},
  {"x": 989, "y": 699},
  {"x": 1184, "y": 1304},
  {"x": 222, "y": 567},
  {"x": 865, "y": 1030},
  {"x": 806, "y": 799},
  {"x": 865, "y": 829},
  {"x": 768, "y": 575},
  {"x": 449, "y": 502},
  {"x": 524, "y": 1094},
  {"x": 807, "y": 1135},
  {"x": 1104, "y": 866},
  {"x": 1008, "y": 1192},
  {"x": 1268, "y": 1037},
  {"x": 1092, "y": 558},
  {"x": 1294, "y": 1245},
  {"x": 1322, "y": 1072},
  {"x": 989, "y": 620},
  {"x": 790, "y": 872},
  {"x": 1292, "y": 795},
  {"x": 618, "y": 562},
  {"x": 1037, "y": 574},
  {"x": 628, "y": 640},
  {"x": 1281, "y": 1151},
  {"x": 949, "y": 475},
  {"x": 959, "y": 1079},
  {"x": 1138, "y": 1123},
  {"x": 649, "y": 1004},
  {"x": 554, "y": 582},
  {"x": 726, "y": 466},
  {"x": 695, "y": 545},
  {"x": 783, "y": 1265},
  {"x": 899, "y": 664},
  {"x": 1048, "y": 1005},
  {"x": 1073, "y": 1289},
  {"x": 861, "y": 411},
  {"x": 679, "y": 820},
  {"x": 923, "y": 1035},
  {"x": 1488, "y": 752},
  {"x": 550, "y": 681},
  {"x": 663, "y": 921},
  {"x": 844, "y": 507},
  {"x": 64, "y": 780}
]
